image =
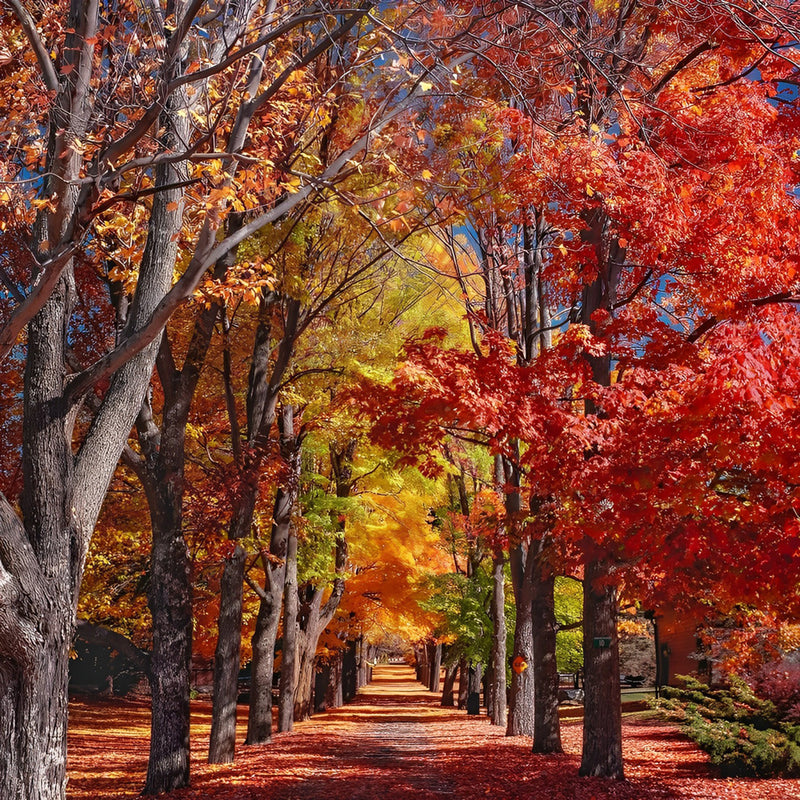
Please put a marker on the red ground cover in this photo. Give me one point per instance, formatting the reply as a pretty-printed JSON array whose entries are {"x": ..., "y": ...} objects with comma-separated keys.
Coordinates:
[{"x": 396, "y": 742}]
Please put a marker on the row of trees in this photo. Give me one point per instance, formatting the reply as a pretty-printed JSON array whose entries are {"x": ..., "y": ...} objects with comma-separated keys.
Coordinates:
[
  {"x": 605, "y": 187},
  {"x": 626, "y": 251}
]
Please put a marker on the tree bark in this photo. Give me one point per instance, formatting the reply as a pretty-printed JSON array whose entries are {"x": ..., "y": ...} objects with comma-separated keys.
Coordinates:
[
  {"x": 226, "y": 659},
  {"x": 335, "y": 694},
  {"x": 497, "y": 687},
  {"x": 602, "y": 723},
  {"x": 602, "y": 727},
  {"x": 289, "y": 664},
  {"x": 170, "y": 604},
  {"x": 363, "y": 662},
  {"x": 349, "y": 671},
  {"x": 262, "y": 399},
  {"x": 315, "y": 617},
  {"x": 41, "y": 559},
  {"x": 450, "y": 676},
  {"x": 259, "y": 717},
  {"x": 259, "y": 721},
  {"x": 546, "y": 724},
  {"x": 463, "y": 683},
  {"x": 422, "y": 668},
  {"x": 168, "y": 766},
  {"x": 520, "y": 711},
  {"x": 33, "y": 688},
  {"x": 434, "y": 679},
  {"x": 170, "y": 592},
  {"x": 474, "y": 680}
]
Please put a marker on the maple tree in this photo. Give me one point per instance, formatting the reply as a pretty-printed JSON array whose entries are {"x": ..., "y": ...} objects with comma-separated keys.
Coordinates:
[
  {"x": 592, "y": 270},
  {"x": 593, "y": 224}
]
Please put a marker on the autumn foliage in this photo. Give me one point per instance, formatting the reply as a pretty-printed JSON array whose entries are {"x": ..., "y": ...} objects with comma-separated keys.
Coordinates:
[{"x": 321, "y": 321}]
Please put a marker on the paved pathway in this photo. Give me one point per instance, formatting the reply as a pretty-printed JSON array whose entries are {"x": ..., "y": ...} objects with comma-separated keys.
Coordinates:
[{"x": 390, "y": 737}]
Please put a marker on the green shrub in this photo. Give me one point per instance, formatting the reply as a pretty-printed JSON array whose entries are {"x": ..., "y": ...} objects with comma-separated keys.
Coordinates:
[{"x": 741, "y": 733}]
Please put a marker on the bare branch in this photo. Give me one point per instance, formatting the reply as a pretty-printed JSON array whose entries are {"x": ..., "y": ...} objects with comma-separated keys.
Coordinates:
[{"x": 255, "y": 587}]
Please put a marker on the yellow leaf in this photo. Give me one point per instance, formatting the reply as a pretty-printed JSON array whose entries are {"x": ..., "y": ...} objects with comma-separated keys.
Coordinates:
[
  {"x": 425, "y": 86},
  {"x": 427, "y": 174}
]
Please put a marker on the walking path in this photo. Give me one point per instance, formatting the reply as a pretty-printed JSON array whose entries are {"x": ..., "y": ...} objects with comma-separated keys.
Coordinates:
[{"x": 395, "y": 742}]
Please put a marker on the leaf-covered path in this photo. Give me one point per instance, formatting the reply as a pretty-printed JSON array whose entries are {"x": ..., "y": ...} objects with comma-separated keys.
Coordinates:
[{"x": 394, "y": 742}]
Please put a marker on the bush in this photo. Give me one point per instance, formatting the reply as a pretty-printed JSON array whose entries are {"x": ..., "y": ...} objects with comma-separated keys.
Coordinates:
[
  {"x": 779, "y": 682},
  {"x": 743, "y": 734}
]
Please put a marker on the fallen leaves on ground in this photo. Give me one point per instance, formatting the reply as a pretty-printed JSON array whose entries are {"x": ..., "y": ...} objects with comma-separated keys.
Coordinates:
[{"x": 394, "y": 741}]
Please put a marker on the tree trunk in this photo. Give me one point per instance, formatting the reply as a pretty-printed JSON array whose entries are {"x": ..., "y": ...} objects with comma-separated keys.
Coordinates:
[
  {"x": 170, "y": 604},
  {"x": 226, "y": 660},
  {"x": 474, "y": 681},
  {"x": 520, "y": 707},
  {"x": 422, "y": 668},
  {"x": 520, "y": 710},
  {"x": 289, "y": 662},
  {"x": 463, "y": 683},
  {"x": 349, "y": 672},
  {"x": 262, "y": 399},
  {"x": 602, "y": 727},
  {"x": 497, "y": 699},
  {"x": 488, "y": 680},
  {"x": 305, "y": 676},
  {"x": 450, "y": 675},
  {"x": 334, "y": 697},
  {"x": 33, "y": 714},
  {"x": 313, "y": 616},
  {"x": 363, "y": 663},
  {"x": 602, "y": 721},
  {"x": 259, "y": 718},
  {"x": 33, "y": 671},
  {"x": 546, "y": 724},
  {"x": 434, "y": 680},
  {"x": 372, "y": 654}
]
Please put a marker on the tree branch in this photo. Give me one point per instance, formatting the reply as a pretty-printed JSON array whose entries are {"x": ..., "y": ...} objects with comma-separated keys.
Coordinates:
[
  {"x": 255, "y": 587},
  {"x": 684, "y": 62},
  {"x": 22, "y": 598},
  {"x": 207, "y": 253},
  {"x": 43, "y": 58}
]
